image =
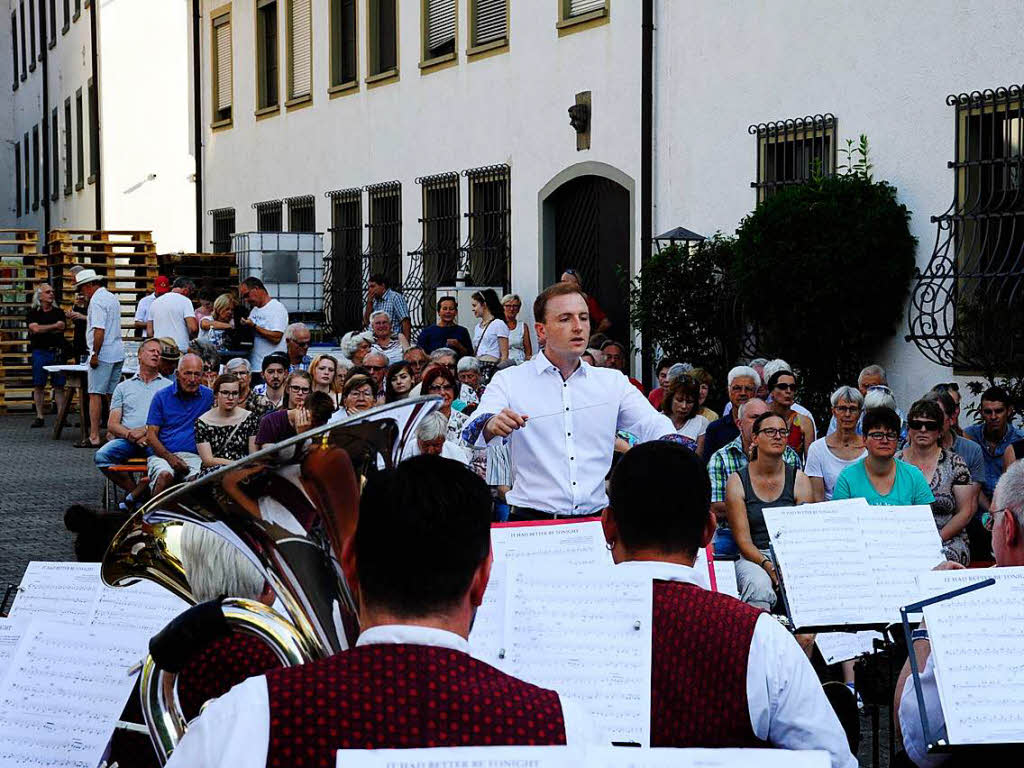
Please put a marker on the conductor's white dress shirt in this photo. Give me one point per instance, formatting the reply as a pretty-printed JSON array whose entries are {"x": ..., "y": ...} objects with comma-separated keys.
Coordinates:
[
  {"x": 234, "y": 730},
  {"x": 787, "y": 705},
  {"x": 560, "y": 458}
]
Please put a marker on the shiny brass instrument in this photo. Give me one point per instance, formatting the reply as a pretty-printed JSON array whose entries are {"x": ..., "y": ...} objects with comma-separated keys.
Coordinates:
[{"x": 289, "y": 509}]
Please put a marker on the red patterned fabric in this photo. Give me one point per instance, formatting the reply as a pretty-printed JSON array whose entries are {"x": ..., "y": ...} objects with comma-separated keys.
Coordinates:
[
  {"x": 699, "y": 668},
  {"x": 221, "y": 666},
  {"x": 402, "y": 696}
]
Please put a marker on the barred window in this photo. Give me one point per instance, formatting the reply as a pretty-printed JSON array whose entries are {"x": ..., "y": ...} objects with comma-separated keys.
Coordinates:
[
  {"x": 17, "y": 178},
  {"x": 53, "y": 22},
  {"x": 221, "y": 67},
  {"x": 94, "y": 132},
  {"x": 344, "y": 277},
  {"x": 268, "y": 216},
  {"x": 382, "y": 34},
  {"x": 384, "y": 228},
  {"x": 80, "y": 140},
  {"x": 31, "y": 34},
  {"x": 487, "y": 252},
  {"x": 14, "y": 47},
  {"x": 69, "y": 158},
  {"x": 35, "y": 168},
  {"x": 54, "y": 154},
  {"x": 439, "y": 23},
  {"x": 223, "y": 229},
  {"x": 436, "y": 261},
  {"x": 965, "y": 309},
  {"x": 301, "y": 214},
  {"x": 793, "y": 151},
  {"x": 488, "y": 22},
  {"x": 344, "y": 66},
  {"x": 28, "y": 175},
  {"x": 24, "y": 64},
  {"x": 300, "y": 66}
]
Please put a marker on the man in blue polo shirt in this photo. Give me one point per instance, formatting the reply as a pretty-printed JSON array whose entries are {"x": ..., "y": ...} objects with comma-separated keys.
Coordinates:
[{"x": 171, "y": 425}]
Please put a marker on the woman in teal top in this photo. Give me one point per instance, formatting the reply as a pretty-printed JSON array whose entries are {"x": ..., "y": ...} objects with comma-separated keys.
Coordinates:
[{"x": 879, "y": 477}]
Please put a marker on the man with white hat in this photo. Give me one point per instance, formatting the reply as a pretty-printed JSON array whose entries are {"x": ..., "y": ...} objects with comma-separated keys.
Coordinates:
[{"x": 106, "y": 350}]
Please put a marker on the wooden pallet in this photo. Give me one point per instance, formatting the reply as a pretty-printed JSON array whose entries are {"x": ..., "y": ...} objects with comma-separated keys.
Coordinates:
[
  {"x": 213, "y": 273},
  {"x": 22, "y": 270}
]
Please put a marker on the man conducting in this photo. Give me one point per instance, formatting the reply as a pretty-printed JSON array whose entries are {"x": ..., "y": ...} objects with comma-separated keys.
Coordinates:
[{"x": 560, "y": 415}]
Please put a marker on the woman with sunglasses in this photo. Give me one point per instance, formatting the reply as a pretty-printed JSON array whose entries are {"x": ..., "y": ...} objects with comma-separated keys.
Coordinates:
[
  {"x": 292, "y": 417},
  {"x": 681, "y": 403},
  {"x": 226, "y": 432},
  {"x": 782, "y": 387},
  {"x": 948, "y": 478},
  {"x": 766, "y": 482},
  {"x": 830, "y": 455},
  {"x": 880, "y": 478}
]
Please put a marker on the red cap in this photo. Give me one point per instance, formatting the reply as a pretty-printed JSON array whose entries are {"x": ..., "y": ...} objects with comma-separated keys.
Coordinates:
[{"x": 162, "y": 285}]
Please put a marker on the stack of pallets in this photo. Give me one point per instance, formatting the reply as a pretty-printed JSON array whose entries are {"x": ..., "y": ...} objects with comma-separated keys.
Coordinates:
[
  {"x": 213, "y": 273},
  {"x": 126, "y": 258},
  {"x": 22, "y": 269}
]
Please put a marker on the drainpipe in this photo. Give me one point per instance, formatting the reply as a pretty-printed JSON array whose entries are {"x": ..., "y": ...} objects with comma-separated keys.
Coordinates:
[
  {"x": 197, "y": 121},
  {"x": 93, "y": 21},
  {"x": 646, "y": 161}
]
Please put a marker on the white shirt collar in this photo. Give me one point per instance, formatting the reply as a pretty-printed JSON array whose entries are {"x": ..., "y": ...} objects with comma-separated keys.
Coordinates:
[
  {"x": 541, "y": 363},
  {"x": 392, "y": 634},
  {"x": 657, "y": 569}
]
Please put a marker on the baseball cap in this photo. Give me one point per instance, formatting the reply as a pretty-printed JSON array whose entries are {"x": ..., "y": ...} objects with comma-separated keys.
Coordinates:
[
  {"x": 161, "y": 285},
  {"x": 276, "y": 357}
]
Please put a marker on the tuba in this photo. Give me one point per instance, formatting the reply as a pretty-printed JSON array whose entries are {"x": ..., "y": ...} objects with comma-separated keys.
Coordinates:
[{"x": 289, "y": 509}]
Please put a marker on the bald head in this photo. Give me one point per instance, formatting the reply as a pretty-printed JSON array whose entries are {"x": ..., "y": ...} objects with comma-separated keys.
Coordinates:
[
  {"x": 190, "y": 373},
  {"x": 747, "y": 414}
]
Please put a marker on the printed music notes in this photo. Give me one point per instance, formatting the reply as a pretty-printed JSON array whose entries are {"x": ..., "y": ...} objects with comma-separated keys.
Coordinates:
[
  {"x": 63, "y": 692},
  {"x": 615, "y": 757},
  {"x": 11, "y": 631},
  {"x": 586, "y": 633},
  {"x": 842, "y": 646},
  {"x": 487, "y": 635},
  {"x": 977, "y": 642},
  {"x": 574, "y": 544},
  {"x": 848, "y": 564}
]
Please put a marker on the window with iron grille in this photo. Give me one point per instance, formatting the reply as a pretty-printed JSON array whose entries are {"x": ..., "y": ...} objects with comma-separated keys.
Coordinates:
[
  {"x": 436, "y": 261},
  {"x": 28, "y": 176},
  {"x": 300, "y": 62},
  {"x": 94, "y": 133},
  {"x": 266, "y": 54},
  {"x": 221, "y": 66},
  {"x": 384, "y": 231},
  {"x": 35, "y": 168},
  {"x": 344, "y": 67},
  {"x": 382, "y": 24},
  {"x": 487, "y": 253},
  {"x": 42, "y": 28},
  {"x": 344, "y": 272},
  {"x": 14, "y": 46},
  {"x": 488, "y": 22},
  {"x": 54, "y": 155},
  {"x": 966, "y": 308},
  {"x": 793, "y": 151},
  {"x": 268, "y": 216},
  {"x": 439, "y": 25},
  {"x": 80, "y": 140},
  {"x": 17, "y": 178},
  {"x": 69, "y": 162},
  {"x": 301, "y": 214},
  {"x": 223, "y": 228}
]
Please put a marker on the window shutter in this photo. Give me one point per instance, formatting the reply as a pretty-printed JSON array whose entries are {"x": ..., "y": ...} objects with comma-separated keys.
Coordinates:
[
  {"x": 300, "y": 71},
  {"x": 579, "y": 7},
  {"x": 224, "y": 66},
  {"x": 490, "y": 21},
  {"x": 440, "y": 22}
]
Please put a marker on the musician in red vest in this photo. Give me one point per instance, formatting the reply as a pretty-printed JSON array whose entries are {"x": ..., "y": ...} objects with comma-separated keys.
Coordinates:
[
  {"x": 724, "y": 674},
  {"x": 418, "y": 564}
]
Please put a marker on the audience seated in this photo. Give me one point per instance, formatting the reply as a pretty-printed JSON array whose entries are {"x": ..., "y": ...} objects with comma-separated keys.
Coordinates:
[
  {"x": 723, "y": 673},
  {"x": 297, "y": 339},
  {"x": 355, "y": 345},
  {"x": 226, "y": 432},
  {"x": 399, "y": 381},
  {"x": 417, "y": 359},
  {"x": 471, "y": 379},
  {"x": 359, "y": 393},
  {"x": 324, "y": 370},
  {"x": 171, "y": 426},
  {"x": 432, "y": 439},
  {"x": 782, "y": 388},
  {"x": 291, "y": 418},
  {"x": 270, "y": 394},
  {"x": 830, "y": 455},
  {"x": 680, "y": 404},
  {"x": 385, "y": 341},
  {"x": 742, "y": 382},
  {"x": 995, "y": 434}
]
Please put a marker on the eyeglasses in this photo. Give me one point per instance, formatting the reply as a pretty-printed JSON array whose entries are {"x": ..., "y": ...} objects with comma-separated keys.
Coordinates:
[
  {"x": 376, "y": 367},
  {"x": 988, "y": 519},
  {"x": 226, "y": 393},
  {"x": 303, "y": 344},
  {"x": 361, "y": 394},
  {"x": 891, "y": 437},
  {"x": 208, "y": 369},
  {"x": 846, "y": 408},
  {"x": 773, "y": 432},
  {"x": 786, "y": 386},
  {"x": 298, "y": 390},
  {"x": 925, "y": 426},
  {"x": 440, "y": 388}
]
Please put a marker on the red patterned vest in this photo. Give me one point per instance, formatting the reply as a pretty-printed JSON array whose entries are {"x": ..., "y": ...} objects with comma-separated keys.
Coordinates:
[
  {"x": 699, "y": 668},
  {"x": 402, "y": 696},
  {"x": 219, "y": 667}
]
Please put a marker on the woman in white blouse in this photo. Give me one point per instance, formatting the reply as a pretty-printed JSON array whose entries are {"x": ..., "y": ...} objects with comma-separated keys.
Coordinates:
[
  {"x": 490, "y": 338},
  {"x": 520, "y": 346},
  {"x": 828, "y": 456},
  {"x": 681, "y": 404}
]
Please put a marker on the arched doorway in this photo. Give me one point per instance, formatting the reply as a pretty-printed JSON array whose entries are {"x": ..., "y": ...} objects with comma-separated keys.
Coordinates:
[{"x": 587, "y": 224}]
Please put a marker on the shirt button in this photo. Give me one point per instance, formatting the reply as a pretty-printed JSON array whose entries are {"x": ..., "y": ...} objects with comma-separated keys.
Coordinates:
[
  {"x": 567, "y": 408},
  {"x": 572, "y": 458},
  {"x": 574, "y": 482},
  {"x": 568, "y": 434}
]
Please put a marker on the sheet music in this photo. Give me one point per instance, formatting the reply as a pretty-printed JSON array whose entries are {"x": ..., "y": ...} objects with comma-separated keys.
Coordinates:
[
  {"x": 977, "y": 642},
  {"x": 849, "y": 563},
  {"x": 62, "y": 695},
  {"x": 574, "y": 544},
  {"x": 617, "y": 757},
  {"x": 144, "y": 607},
  {"x": 487, "y": 636},
  {"x": 586, "y": 633},
  {"x": 65, "y": 592},
  {"x": 11, "y": 631},
  {"x": 843, "y": 646},
  {"x": 725, "y": 574}
]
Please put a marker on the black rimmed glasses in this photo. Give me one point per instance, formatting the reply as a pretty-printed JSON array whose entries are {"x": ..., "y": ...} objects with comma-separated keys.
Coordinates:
[
  {"x": 882, "y": 437},
  {"x": 295, "y": 389},
  {"x": 773, "y": 432}
]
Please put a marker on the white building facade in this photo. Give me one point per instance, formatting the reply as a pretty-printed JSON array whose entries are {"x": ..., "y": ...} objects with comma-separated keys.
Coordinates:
[
  {"x": 430, "y": 139},
  {"x": 99, "y": 135}
]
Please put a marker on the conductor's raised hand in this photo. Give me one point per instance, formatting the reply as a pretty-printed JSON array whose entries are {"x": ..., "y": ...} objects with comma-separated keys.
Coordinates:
[{"x": 504, "y": 423}]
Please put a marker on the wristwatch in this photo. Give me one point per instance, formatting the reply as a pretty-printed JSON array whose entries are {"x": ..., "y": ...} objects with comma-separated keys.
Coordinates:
[{"x": 919, "y": 634}]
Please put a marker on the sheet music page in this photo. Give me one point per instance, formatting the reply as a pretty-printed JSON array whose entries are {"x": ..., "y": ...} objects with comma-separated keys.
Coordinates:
[
  {"x": 64, "y": 690},
  {"x": 58, "y": 591},
  {"x": 820, "y": 551},
  {"x": 463, "y": 757},
  {"x": 725, "y": 575},
  {"x": 487, "y": 636},
  {"x": 573, "y": 544},
  {"x": 586, "y": 633},
  {"x": 902, "y": 542},
  {"x": 843, "y": 646},
  {"x": 11, "y": 631},
  {"x": 618, "y": 757},
  {"x": 145, "y": 607},
  {"x": 977, "y": 641}
]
